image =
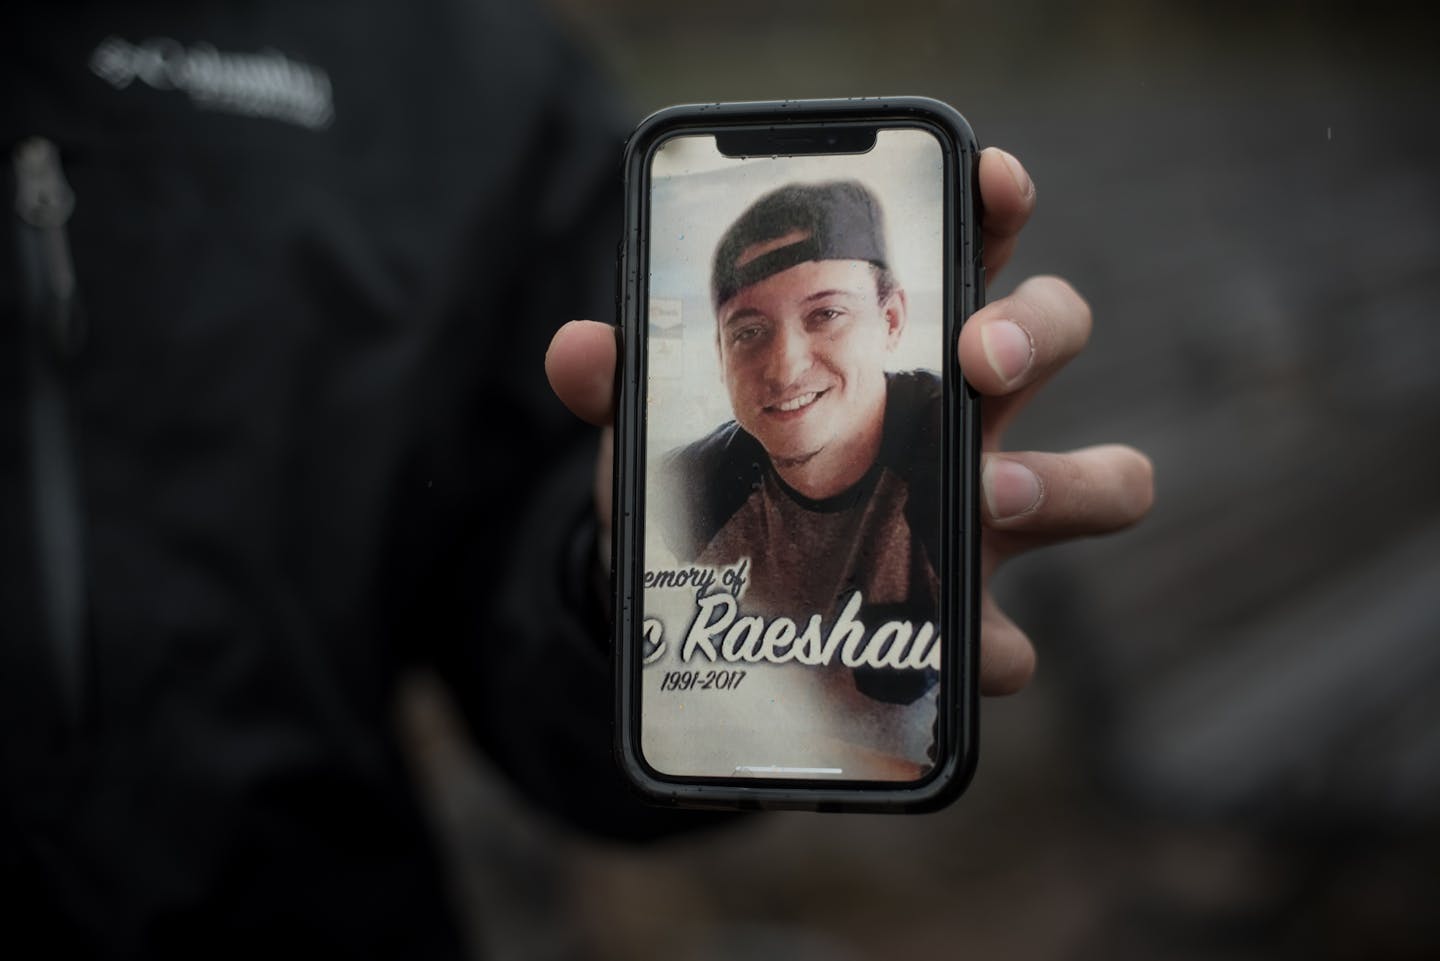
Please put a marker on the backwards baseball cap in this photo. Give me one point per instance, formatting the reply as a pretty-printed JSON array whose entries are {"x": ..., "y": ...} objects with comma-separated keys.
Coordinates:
[{"x": 836, "y": 220}]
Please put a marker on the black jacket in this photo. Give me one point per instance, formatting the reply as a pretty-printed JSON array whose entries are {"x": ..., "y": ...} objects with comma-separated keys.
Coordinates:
[{"x": 304, "y": 442}]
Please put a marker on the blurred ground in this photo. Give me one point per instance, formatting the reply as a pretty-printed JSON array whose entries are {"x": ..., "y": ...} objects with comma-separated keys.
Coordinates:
[{"x": 1233, "y": 746}]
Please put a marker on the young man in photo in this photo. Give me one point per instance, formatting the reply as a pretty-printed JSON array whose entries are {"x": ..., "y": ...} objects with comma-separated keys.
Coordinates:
[{"x": 828, "y": 478}]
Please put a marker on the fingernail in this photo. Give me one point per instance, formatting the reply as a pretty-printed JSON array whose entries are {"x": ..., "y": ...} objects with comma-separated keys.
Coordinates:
[
  {"x": 1008, "y": 348},
  {"x": 1023, "y": 183},
  {"x": 1011, "y": 488}
]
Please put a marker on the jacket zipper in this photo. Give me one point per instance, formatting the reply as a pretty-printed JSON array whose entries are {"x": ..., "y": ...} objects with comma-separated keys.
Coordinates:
[{"x": 43, "y": 204}]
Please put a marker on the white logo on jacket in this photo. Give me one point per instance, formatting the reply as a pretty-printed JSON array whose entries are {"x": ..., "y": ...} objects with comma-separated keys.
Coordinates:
[{"x": 265, "y": 84}]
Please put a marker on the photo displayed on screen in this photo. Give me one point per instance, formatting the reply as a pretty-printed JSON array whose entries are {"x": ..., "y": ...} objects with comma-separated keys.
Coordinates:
[{"x": 793, "y": 431}]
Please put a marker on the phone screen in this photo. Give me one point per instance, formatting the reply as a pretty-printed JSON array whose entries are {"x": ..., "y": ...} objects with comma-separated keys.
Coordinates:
[{"x": 793, "y": 425}]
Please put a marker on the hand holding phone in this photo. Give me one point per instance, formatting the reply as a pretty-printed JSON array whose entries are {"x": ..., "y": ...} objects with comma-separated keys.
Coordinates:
[
  {"x": 796, "y": 580},
  {"x": 1089, "y": 491}
]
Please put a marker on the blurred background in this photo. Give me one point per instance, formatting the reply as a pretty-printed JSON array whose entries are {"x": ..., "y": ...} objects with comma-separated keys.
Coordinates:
[{"x": 1232, "y": 747}]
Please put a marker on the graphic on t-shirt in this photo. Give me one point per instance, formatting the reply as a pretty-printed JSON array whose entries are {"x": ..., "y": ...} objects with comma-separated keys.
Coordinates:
[{"x": 794, "y": 425}]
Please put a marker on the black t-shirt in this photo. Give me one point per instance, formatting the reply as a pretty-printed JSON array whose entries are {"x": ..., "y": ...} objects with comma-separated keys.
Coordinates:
[
  {"x": 806, "y": 556},
  {"x": 880, "y": 537}
]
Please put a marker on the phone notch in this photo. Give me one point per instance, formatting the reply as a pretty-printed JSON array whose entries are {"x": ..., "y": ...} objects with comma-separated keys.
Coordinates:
[{"x": 799, "y": 140}]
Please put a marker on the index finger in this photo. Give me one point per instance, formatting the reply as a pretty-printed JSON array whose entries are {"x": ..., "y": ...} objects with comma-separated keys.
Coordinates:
[
  {"x": 1011, "y": 346},
  {"x": 1007, "y": 197}
]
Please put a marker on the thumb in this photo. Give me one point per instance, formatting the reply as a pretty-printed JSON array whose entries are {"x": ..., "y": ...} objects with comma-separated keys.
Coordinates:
[{"x": 581, "y": 366}]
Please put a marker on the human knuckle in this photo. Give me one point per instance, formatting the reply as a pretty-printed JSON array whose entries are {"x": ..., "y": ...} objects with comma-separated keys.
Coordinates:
[
  {"x": 1125, "y": 478},
  {"x": 1013, "y": 663},
  {"x": 1072, "y": 483},
  {"x": 1072, "y": 306},
  {"x": 1057, "y": 313}
]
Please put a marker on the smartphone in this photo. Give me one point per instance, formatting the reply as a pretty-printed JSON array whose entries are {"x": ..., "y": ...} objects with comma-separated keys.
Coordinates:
[{"x": 796, "y": 574}]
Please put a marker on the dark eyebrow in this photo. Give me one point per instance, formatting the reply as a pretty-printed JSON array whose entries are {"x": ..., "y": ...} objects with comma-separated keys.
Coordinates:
[{"x": 743, "y": 313}]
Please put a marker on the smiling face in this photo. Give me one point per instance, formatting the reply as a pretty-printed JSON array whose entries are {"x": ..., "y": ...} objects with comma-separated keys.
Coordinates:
[{"x": 803, "y": 356}]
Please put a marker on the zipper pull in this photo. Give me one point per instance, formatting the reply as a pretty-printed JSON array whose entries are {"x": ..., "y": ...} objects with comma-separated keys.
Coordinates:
[{"x": 44, "y": 202}]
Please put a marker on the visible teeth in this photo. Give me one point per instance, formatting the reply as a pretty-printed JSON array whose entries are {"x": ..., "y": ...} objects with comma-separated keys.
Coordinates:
[{"x": 795, "y": 403}]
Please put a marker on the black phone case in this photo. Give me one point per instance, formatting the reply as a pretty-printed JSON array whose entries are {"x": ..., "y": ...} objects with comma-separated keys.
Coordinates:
[{"x": 957, "y": 725}]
